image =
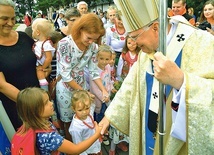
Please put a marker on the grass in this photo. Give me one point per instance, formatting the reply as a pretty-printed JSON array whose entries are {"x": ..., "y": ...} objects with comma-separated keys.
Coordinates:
[{"x": 15, "y": 26}]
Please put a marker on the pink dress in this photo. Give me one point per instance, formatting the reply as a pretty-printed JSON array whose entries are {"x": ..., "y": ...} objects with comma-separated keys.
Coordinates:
[{"x": 105, "y": 75}]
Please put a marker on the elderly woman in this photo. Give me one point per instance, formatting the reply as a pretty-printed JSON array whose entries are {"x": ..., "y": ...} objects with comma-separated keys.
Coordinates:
[{"x": 82, "y": 7}]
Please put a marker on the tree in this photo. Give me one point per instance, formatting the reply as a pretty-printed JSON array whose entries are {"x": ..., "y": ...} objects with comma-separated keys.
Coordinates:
[{"x": 25, "y": 5}]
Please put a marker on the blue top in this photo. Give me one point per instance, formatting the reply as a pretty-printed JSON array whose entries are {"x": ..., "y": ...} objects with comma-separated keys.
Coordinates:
[{"x": 47, "y": 142}]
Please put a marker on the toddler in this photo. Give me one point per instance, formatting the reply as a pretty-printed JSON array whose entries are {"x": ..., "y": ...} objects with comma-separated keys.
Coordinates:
[
  {"x": 43, "y": 49},
  {"x": 82, "y": 126},
  {"x": 127, "y": 58}
]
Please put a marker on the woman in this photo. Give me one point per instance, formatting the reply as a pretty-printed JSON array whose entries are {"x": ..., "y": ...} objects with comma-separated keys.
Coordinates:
[
  {"x": 70, "y": 16},
  {"x": 208, "y": 15},
  {"x": 75, "y": 52},
  {"x": 17, "y": 61},
  {"x": 115, "y": 36}
]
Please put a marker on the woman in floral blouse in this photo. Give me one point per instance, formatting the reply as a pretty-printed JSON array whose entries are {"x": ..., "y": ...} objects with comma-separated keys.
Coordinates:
[
  {"x": 115, "y": 36},
  {"x": 75, "y": 52}
]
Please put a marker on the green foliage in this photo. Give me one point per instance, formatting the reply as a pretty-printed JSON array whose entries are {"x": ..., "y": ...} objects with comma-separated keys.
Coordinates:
[
  {"x": 35, "y": 5},
  {"x": 117, "y": 85}
]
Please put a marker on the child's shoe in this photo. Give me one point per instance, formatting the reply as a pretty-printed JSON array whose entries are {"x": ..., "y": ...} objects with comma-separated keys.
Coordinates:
[
  {"x": 123, "y": 146},
  {"x": 111, "y": 152},
  {"x": 105, "y": 140}
]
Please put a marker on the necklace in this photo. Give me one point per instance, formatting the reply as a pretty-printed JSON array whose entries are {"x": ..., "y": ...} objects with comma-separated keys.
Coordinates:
[{"x": 91, "y": 127}]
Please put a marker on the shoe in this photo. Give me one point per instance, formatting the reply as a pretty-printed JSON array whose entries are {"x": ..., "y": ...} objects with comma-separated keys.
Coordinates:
[
  {"x": 111, "y": 152},
  {"x": 105, "y": 140},
  {"x": 123, "y": 146}
]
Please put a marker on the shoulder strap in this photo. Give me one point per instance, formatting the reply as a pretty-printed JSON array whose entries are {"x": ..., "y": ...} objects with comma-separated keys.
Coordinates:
[
  {"x": 44, "y": 43},
  {"x": 40, "y": 130},
  {"x": 42, "y": 48}
]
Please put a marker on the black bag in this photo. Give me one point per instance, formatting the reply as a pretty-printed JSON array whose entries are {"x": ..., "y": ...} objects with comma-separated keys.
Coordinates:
[{"x": 204, "y": 25}]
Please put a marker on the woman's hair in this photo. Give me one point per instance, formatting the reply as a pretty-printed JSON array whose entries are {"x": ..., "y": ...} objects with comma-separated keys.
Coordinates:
[
  {"x": 104, "y": 48},
  {"x": 73, "y": 12},
  {"x": 30, "y": 106},
  {"x": 44, "y": 26},
  {"x": 89, "y": 23},
  {"x": 8, "y": 3},
  {"x": 125, "y": 48},
  {"x": 202, "y": 17},
  {"x": 80, "y": 96}
]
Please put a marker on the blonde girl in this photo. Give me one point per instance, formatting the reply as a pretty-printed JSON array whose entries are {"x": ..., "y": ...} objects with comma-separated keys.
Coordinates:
[{"x": 82, "y": 126}]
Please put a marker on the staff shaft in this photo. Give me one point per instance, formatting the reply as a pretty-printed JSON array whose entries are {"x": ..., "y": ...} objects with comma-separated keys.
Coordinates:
[{"x": 162, "y": 47}]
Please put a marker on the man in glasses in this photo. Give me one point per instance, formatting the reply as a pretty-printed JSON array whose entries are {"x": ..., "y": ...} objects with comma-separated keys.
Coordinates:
[{"x": 187, "y": 72}]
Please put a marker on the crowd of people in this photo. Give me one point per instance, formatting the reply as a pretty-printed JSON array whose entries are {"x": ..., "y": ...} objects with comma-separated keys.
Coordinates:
[{"x": 88, "y": 56}]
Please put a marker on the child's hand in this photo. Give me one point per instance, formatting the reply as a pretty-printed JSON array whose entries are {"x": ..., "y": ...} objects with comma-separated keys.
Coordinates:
[
  {"x": 105, "y": 98},
  {"x": 49, "y": 69},
  {"x": 39, "y": 68},
  {"x": 91, "y": 95}
]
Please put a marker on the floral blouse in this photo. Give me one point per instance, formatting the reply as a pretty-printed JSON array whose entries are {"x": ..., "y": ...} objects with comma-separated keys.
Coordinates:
[
  {"x": 71, "y": 61},
  {"x": 114, "y": 39}
]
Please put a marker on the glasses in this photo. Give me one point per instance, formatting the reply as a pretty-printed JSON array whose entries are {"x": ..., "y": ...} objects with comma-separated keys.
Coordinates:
[
  {"x": 72, "y": 20},
  {"x": 136, "y": 37},
  {"x": 144, "y": 28}
]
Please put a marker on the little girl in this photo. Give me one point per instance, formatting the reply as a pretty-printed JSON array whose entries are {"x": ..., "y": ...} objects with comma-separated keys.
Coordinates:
[
  {"x": 35, "y": 109},
  {"x": 113, "y": 67},
  {"x": 103, "y": 58},
  {"x": 82, "y": 125},
  {"x": 127, "y": 58},
  {"x": 43, "y": 49}
]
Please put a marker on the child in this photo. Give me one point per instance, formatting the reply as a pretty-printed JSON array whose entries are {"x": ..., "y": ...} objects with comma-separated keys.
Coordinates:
[
  {"x": 115, "y": 83},
  {"x": 43, "y": 49},
  {"x": 103, "y": 58},
  {"x": 35, "y": 109},
  {"x": 82, "y": 125},
  {"x": 128, "y": 57},
  {"x": 113, "y": 67}
]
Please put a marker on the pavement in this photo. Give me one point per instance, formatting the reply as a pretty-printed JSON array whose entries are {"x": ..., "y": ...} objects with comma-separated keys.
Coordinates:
[
  {"x": 21, "y": 27},
  {"x": 105, "y": 150}
]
